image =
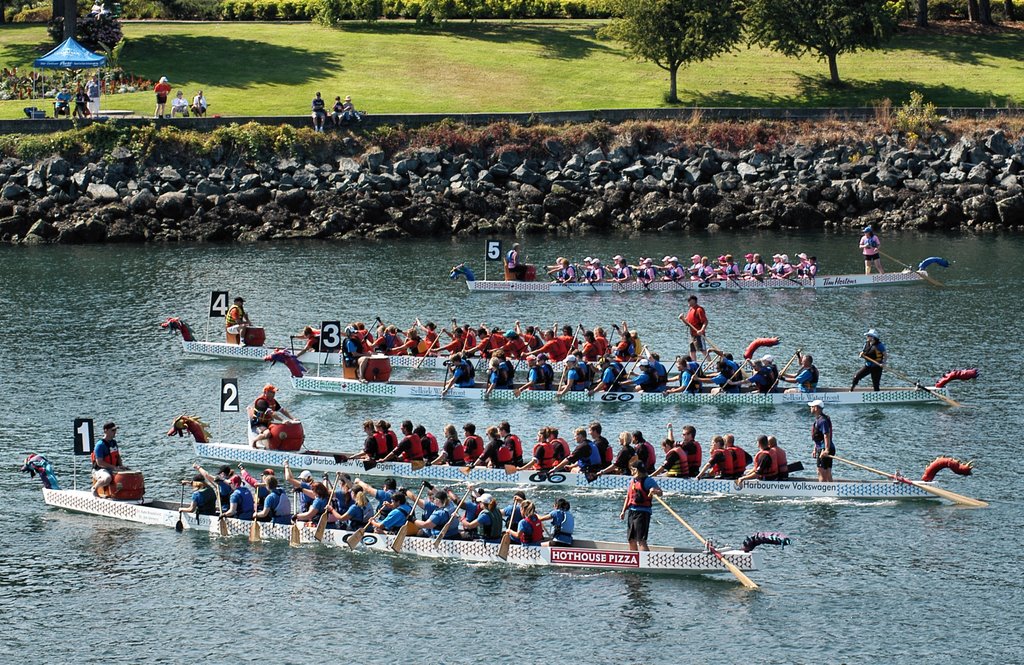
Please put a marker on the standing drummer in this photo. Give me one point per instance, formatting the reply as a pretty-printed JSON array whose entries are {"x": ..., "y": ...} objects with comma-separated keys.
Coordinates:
[
  {"x": 869, "y": 247},
  {"x": 106, "y": 459}
]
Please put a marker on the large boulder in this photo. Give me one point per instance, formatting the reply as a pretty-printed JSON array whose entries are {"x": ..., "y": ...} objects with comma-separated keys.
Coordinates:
[
  {"x": 102, "y": 193},
  {"x": 172, "y": 204},
  {"x": 1011, "y": 210}
]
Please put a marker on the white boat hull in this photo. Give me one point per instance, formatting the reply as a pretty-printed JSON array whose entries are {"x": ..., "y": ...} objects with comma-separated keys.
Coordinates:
[
  {"x": 432, "y": 390},
  {"x": 710, "y": 286},
  {"x": 325, "y": 463},
  {"x": 585, "y": 554}
]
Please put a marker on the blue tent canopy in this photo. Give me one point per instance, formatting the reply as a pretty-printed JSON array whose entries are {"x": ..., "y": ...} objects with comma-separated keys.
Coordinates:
[{"x": 70, "y": 55}]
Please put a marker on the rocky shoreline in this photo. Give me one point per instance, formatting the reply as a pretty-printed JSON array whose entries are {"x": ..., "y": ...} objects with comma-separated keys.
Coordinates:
[{"x": 966, "y": 184}]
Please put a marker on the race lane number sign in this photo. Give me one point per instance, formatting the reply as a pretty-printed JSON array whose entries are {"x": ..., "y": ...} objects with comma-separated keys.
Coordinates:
[
  {"x": 493, "y": 249},
  {"x": 218, "y": 304},
  {"x": 330, "y": 336},
  {"x": 84, "y": 436},
  {"x": 229, "y": 395}
]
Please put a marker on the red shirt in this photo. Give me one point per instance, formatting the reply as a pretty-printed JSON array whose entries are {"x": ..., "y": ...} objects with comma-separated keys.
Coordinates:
[{"x": 697, "y": 318}]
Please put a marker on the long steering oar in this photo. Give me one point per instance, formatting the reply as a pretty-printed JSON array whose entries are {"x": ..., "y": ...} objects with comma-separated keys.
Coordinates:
[
  {"x": 404, "y": 531},
  {"x": 916, "y": 384},
  {"x": 924, "y": 275},
  {"x": 945, "y": 494},
  {"x": 440, "y": 536},
  {"x": 744, "y": 580},
  {"x": 506, "y": 537},
  {"x": 357, "y": 535},
  {"x": 321, "y": 527}
]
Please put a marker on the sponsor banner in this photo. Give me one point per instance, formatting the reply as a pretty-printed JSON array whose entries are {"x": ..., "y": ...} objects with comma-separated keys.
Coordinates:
[{"x": 603, "y": 558}]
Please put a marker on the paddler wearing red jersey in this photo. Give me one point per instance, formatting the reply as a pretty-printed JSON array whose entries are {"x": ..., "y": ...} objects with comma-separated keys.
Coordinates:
[{"x": 696, "y": 319}]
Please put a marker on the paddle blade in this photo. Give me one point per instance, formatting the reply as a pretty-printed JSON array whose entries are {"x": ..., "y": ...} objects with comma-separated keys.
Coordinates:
[
  {"x": 223, "y": 525},
  {"x": 794, "y": 466},
  {"x": 952, "y": 496},
  {"x": 356, "y": 538},
  {"x": 369, "y": 464},
  {"x": 417, "y": 464},
  {"x": 400, "y": 538},
  {"x": 321, "y": 527},
  {"x": 734, "y": 569},
  {"x": 296, "y": 538},
  {"x": 506, "y": 541},
  {"x": 254, "y": 532},
  {"x": 180, "y": 526},
  {"x": 465, "y": 470},
  {"x": 511, "y": 469}
]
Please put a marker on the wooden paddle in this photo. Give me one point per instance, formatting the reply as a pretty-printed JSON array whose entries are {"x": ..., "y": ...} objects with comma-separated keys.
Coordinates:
[
  {"x": 321, "y": 527},
  {"x": 440, "y": 537},
  {"x": 797, "y": 353},
  {"x": 700, "y": 368},
  {"x": 739, "y": 574},
  {"x": 221, "y": 520},
  {"x": 565, "y": 366},
  {"x": 254, "y": 529},
  {"x": 916, "y": 384},
  {"x": 924, "y": 275},
  {"x": 945, "y": 494},
  {"x": 295, "y": 537},
  {"x": 357, "y": 536},
  {"x": 403, "y": 532},
  {"x": 506, "y": 537},
  {"x": 180, "y": 526}
]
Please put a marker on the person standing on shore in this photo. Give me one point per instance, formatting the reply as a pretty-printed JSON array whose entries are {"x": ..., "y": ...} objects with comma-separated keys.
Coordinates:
[
  {"x": 869, "y": 244},
  {"x": 92, "y": 89},
  {"x": 162, "y": 89}
]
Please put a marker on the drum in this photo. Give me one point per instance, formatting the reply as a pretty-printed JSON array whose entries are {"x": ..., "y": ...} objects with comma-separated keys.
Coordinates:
[
  {"x": 255, "y": 336},
  {"x": 286, "y": 436},
  {"x": 127, "y": 486},
  {"x": 378, "y": 369},
  {"x": 531, "y": 273}
]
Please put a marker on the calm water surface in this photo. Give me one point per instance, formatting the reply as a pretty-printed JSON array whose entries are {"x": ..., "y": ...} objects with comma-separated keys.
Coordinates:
[{"x": 863, "y": 582}]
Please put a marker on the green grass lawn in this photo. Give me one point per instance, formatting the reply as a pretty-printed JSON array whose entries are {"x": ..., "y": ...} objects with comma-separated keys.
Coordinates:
[{"x": 274, "y": 69}]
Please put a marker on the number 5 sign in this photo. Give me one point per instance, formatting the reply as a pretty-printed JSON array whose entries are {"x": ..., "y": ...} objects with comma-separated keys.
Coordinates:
[{"x": 493, "y": 248}]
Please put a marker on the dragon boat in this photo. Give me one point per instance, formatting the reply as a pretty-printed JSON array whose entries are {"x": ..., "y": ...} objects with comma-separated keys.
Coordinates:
[
  {"x": 818, "y": 283},
  {"x": 351, "y": 387},
  {"x": 325, "y": 462},
  {"x": 592, "y": 554}
]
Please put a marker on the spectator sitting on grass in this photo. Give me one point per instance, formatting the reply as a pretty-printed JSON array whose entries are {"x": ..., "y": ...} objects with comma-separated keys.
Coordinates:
[
  {"x": 81, "y": 103},
  {"x": 62, "y": 104},
  {"x": 179, "y": 105},
  {"x": 349, "y": 112},
  {"x": 319, "y": 113},
  {"x": 199, "y": 105}
]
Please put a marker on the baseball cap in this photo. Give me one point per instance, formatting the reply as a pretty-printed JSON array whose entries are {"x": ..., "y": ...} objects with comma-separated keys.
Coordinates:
[
  {"x": 541, "y": 357},
  {"x": 748, "y": 256},
  {"x": 617, "y": 257},
  {"x": 485, "y": 498},
  {"x": 306, "y": 475},
  {"x": 531, "y": 358},
  {"x": 816, "y": 402},
  {"x": 767, "y": 358},
  {"x": 666, "y": 259},
  {"x": 570, "y": 359},
  {"x": 871, "y": 333},
  {"x": 867, "y": 229},
  {"x": 695, "y": 257},
  {"x": 587, "y": 260},
  {"x": 802, "y": 255},
  {"x": 644, "y": 362}
]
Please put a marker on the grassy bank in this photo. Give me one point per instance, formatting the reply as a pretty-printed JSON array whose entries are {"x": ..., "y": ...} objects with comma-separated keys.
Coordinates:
[{"x": 274, "y": 68}]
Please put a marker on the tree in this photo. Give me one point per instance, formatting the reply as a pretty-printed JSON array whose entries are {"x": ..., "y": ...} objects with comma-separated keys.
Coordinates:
[
  {"x": 1011, "y": 15},
  {"x": 827, "y": 28},
  {"x": 674, "y": 33},
  {"x": 922, "y": 14}
]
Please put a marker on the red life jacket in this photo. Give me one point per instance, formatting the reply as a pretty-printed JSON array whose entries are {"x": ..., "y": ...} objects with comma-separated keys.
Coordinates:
[
  {"x": 415, "y": 449},
  {"x": 458, "y": 455},
  {"x": 602, "y": 346},
  {"x": 391, "y": 439},
  {"x": 473, "y": 447},
  {"x": 113, "y": 457},
  {"x": 609, "y": 454},
  {"x": 724, "y": 466},
  {"x": 265, "y": 413},
  {"x": 648, "y": 457},
  {"x": 559, "y": 448},
  {"x": 773, "y": 468},
  {"x": 381, "y": 442},
  {"x": 693, "y": 460},
  {"x": 544, "y": 455},
  {"x": 517, "y": 446},
  {"x": 739, "y": 460},
  {"x": 504, "y": 454},
  {"x": 430, "y": 446},
  {"x": 514, "y": 348},
  {"x": 535, "y": 530},
  {"x": 637, "y": 495},
  {"x": 781, "y": 462}
]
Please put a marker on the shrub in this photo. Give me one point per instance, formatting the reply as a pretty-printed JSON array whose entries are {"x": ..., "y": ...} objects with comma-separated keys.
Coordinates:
[
  {"x": 33, "y": 15},
  {"x": 99, "y": 32},
  {"x": 916, "y": 116}
]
